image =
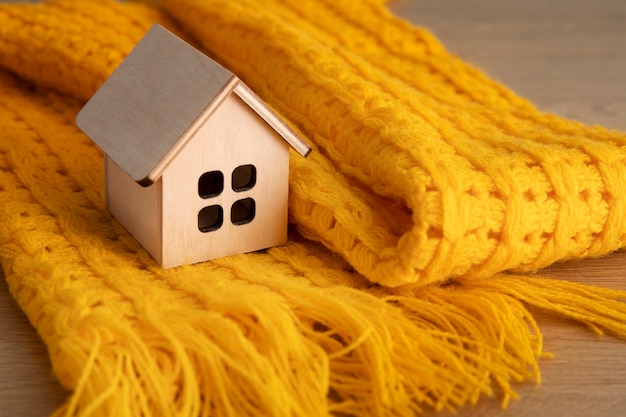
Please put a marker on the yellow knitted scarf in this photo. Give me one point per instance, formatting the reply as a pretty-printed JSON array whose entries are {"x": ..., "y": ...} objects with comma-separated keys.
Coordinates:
[{"x": 427, "y": 181}]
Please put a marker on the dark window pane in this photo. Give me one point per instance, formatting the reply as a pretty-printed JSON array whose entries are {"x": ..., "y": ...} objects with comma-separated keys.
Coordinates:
[
  {"x": 210, "y": 184},
  {"x": 210, "y": 218},
  {"x": 244, "y": 177},
  {"x": 242, "y": 211}
]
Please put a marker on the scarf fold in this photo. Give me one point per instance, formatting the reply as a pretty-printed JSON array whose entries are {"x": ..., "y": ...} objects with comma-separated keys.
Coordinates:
[{"x": 430, "y": 190}]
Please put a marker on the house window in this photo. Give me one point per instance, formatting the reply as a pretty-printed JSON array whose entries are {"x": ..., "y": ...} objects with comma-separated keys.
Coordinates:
[
  {"x": 211, "y": 184},
  {"x": 242, "y": 211},
  {"x": 243, "y": 178},
  {"x": 210, "y": 218}
]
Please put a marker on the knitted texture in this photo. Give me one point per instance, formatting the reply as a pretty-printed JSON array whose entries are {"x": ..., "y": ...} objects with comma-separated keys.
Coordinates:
[{"x": 427, "y": 181}]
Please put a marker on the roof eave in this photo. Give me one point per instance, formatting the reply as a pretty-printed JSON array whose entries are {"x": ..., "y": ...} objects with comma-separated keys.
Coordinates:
[{"x": 272, "y": 119}]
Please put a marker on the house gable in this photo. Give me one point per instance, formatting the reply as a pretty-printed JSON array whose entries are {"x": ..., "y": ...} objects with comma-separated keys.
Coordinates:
[{"x": 233, "y": 137}]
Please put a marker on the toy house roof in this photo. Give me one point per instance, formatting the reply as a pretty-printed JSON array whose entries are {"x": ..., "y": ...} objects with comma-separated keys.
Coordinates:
[{"x": 141, "y": 113}]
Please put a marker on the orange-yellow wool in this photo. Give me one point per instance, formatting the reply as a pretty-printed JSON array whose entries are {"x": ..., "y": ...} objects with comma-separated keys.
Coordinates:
[{"x": 428, "y": 180}]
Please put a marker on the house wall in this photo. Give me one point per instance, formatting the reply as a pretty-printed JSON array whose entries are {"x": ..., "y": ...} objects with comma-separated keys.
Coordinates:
[
  {"x": 232, "y": 136},
  {"x": 137, "y": 208}
]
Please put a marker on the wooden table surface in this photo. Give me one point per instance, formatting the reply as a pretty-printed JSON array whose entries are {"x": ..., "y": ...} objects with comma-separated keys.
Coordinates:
[{"x": 569, "y": 58}]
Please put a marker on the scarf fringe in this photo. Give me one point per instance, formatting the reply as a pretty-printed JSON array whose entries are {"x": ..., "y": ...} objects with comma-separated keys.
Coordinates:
[
  {"x": 294, "y": 331},
  {"x": 601, "y": 309},
  {"x": 359, "y": 353}
]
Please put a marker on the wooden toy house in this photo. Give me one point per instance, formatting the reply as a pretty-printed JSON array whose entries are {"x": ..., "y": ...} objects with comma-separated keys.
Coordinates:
[{"x": 196, "y": 165}]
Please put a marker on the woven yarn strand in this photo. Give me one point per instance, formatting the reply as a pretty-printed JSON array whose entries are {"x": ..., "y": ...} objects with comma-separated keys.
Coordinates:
[{"x": 427, "y": 181}]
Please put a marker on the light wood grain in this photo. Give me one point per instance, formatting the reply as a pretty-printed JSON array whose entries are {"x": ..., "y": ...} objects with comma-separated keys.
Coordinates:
[
  {"x": 138, "y": 208},
  {"x": 27, "y": 385},
  {"x": 568, "y": 57},
  {"x": 233, "y": 135}
]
